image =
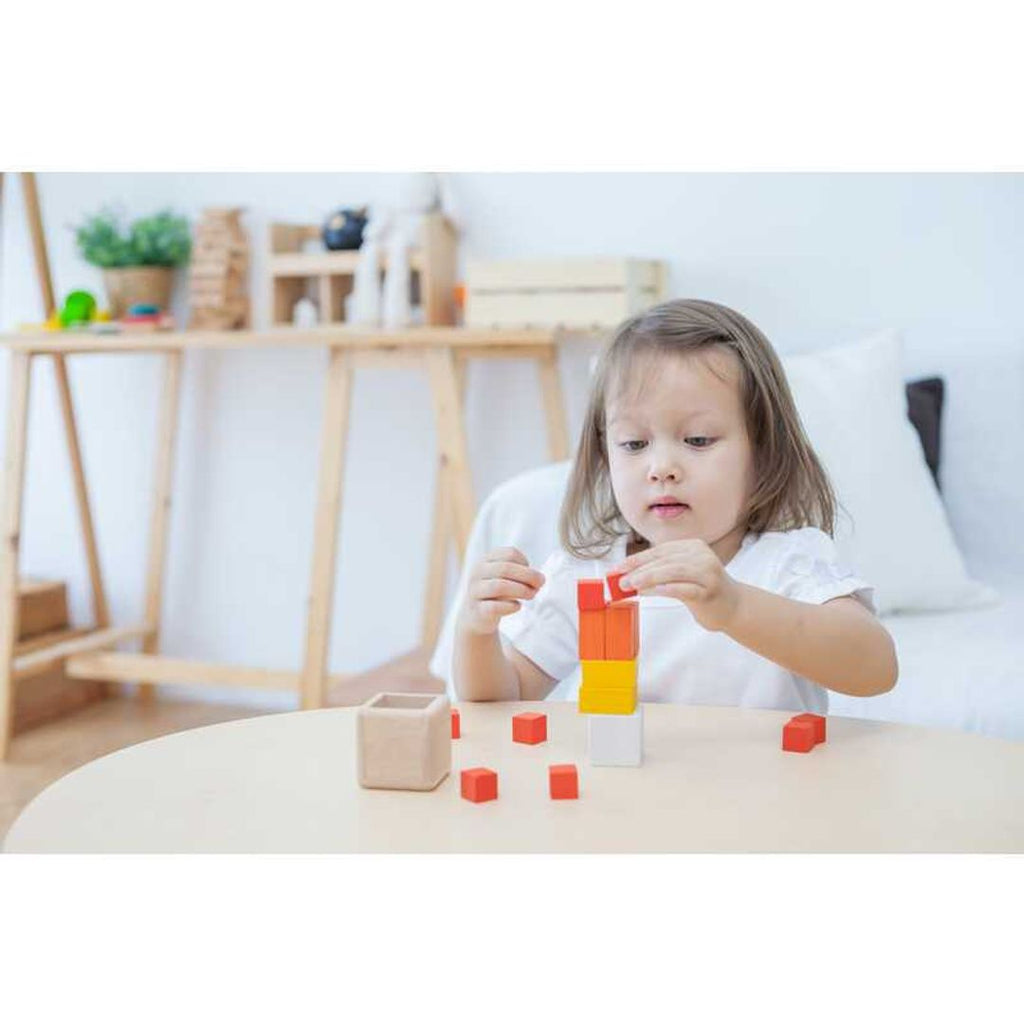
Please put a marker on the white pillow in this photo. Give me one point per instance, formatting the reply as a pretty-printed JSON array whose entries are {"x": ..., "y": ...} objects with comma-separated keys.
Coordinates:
[{"x": 891, "y": 526}]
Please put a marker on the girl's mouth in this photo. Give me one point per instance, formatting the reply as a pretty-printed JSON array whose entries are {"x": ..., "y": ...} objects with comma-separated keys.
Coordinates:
[{"x": 669, "y": 510}]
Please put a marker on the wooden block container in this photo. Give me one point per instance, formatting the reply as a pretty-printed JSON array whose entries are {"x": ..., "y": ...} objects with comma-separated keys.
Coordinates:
[
  {"x": 403, "y": 741},
  {"x": 577, "y": 292}
]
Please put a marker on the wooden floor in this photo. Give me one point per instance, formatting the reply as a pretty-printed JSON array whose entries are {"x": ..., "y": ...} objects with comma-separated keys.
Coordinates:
[{"x": 42, "y": 755}]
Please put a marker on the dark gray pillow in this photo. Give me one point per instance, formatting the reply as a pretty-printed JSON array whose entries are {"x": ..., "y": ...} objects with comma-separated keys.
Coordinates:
[{"x": 924, "y": 407}]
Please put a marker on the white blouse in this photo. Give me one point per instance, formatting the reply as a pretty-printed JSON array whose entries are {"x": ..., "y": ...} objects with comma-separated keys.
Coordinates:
[{"x": 680, "y": 661}]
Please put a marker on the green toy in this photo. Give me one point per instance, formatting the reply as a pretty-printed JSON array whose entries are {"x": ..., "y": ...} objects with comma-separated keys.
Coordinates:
[{"x": 79, "y": 308}]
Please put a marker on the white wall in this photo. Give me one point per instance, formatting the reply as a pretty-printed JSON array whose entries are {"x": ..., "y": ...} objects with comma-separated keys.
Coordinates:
[{"x": 813, "y": 259}]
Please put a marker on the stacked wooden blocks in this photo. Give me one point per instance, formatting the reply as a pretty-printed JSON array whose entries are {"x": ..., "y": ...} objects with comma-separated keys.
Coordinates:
[
  {"x": 609, "y": 647},
  {"x": 219, "y": 272}
]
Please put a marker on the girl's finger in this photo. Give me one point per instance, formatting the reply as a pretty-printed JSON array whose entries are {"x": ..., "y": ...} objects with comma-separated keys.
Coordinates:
[
  {"x": 500, "y": 608},
  {"x": 519, "y": 573},
  {"x": 680, "y": 591},
  {"x": 506, "y": 555},
  {"x": 487, "y": 590},
  {"x": 668, "y": 570}
]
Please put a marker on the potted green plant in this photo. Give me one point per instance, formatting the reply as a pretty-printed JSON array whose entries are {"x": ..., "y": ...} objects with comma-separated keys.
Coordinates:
[{"x": 138, "y": 264}]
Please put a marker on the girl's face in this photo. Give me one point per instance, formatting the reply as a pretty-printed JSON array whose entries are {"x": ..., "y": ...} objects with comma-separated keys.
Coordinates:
[{"x": 680, "y": 460}]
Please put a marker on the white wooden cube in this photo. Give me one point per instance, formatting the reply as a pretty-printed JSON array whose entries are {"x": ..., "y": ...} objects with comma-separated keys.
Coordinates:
[
  {"x": 616, "y": 740},
  {"x": 404, "y": 741}
]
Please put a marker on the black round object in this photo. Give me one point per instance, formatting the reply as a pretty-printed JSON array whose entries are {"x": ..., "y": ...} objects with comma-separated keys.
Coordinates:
[{"x": 344, "y": 229}]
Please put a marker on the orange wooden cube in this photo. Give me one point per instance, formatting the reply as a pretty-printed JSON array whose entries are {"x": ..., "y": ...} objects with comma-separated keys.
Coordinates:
[
  {"x": 479, "y": 785},
  {"x": 592, "y": 635},
  {"x": 456, "y": 724},
  {"x": 615, "y": 590},
  {"x": 589, "y": 595},
  {"x": 798, "y": 737},
  {"x": 818, "y": 721},
  {"x": 530, "y": 727},
  {"x": 563, "y": 782},
  {"x": 622, "y": 631}
]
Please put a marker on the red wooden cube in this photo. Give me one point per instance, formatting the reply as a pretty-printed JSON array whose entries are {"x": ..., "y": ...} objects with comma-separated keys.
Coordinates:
[
  {"x": 798, "y": 736},
  {"x": 617, "y": 592},
  {"x": 456, "y": 724},
  {"x": 589, "y": 595},
  {"x": 563, "y": 782},
  {"x": 530, "y": 727},
  {"x": 479, "y": 785},
  {"x": 818, "y": 721}
]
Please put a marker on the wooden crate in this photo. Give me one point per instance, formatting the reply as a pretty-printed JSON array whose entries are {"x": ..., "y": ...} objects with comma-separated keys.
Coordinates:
[
  {"x": 579, "y": 292},
  {"x": 327, "y": 277},
  {"x": 42, "y": 621}
]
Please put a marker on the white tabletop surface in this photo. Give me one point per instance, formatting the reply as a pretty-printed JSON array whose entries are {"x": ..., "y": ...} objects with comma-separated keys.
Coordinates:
[{"x": 713, "y": 780}]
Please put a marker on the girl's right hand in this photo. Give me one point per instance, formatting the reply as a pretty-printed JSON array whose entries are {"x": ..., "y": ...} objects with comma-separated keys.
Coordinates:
[{"x": 497, "y": 586}]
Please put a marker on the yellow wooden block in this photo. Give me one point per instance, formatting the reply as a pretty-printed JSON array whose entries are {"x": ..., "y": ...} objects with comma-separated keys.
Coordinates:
[
  {"x": 609, "y": 701},
  {"x": 602, "y": 674}
]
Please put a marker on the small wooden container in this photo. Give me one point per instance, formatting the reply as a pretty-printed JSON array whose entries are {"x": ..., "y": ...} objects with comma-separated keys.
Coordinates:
[{"x": 404, "y": 741}]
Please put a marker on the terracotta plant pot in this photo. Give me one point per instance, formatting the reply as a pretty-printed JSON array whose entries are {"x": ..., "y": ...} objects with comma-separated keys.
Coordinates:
[{"x": 127, "y": 286}]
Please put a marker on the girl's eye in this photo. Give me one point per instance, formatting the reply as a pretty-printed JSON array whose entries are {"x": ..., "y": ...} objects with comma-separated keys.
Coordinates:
[
  {"x": 633, "y": 446},
  {"x": 699, "y": 442}
]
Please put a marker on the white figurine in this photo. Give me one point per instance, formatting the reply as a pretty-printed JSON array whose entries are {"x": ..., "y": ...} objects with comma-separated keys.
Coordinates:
[{"x": 394, "y": 227}]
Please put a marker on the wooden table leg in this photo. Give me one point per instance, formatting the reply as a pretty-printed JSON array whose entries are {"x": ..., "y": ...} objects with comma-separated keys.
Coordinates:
[
  {"x": 554, "y": 405},
  {"x": 337, "y": 402},
  {"x": 160, "y": 513},
  {"x": 440, "y": 535},
  {"x": 100, "y": 609},
  {"x": 451, "y": 440},
  {"x": 20, "y": 371}
]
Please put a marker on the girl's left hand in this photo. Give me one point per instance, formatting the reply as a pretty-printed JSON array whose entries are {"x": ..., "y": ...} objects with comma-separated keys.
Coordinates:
[{"x": 689, "y": 571}]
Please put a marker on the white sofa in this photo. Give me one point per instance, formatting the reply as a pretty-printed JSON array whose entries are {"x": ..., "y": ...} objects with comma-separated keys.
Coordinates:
[{"x": 959, "y": 669}]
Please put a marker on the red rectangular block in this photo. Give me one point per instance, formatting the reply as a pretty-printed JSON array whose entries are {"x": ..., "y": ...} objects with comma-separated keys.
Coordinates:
[
  {"x": 590, "y": 595},
  {"x": 563, "y": 782},
  {"x": 479, "y": 785},
  {"x": 798, "y": 737},
  {"x": 818, "y": 721},
  {"x": 529, "y": 727},
  {"x": 617, "y": 592},
  {"x": 622, "y": 631},
  {"x": 456, "y": 724},
  {"x": 592, "y": 635}
]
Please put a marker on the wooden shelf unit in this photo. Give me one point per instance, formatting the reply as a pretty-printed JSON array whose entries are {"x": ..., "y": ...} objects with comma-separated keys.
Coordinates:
[{"x": 327, "y": 277}]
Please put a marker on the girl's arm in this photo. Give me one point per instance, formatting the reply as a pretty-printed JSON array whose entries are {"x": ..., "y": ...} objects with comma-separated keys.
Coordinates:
[
  {"x": 839, "y": 644},
  {"x": 486, "y": 669},
  {"x": 482, "y": 668}
]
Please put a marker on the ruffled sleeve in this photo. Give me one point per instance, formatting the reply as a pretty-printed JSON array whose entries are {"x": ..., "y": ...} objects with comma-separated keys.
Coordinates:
[{"x": 811, "y": 569}]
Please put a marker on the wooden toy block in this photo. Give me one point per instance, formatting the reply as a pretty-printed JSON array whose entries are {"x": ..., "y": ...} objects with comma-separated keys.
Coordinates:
[
  {"x": 798, "y": 737},
  {"x": 598, "y": 675},
  {"x": 456, "y": 724},
  {"x": 616, "y": 740},
  {"x": 403, "y": 741},
  {"x": 608, "y": 701},
  {"x": 818, "y": 721},
  {"x": 590, "y": 595},
  {"x": 479, "y": 785},
  {"x": 530, "y": 727},
  {"x": 563, "y": 782},
  {"x": 592, "y": 635},
  {"x": 617, "y": 592},
  {"x": 621, "y": 631}
]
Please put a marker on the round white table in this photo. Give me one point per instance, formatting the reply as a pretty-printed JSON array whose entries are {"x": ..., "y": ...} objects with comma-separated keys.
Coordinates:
[{"x": 713, "y": 780}]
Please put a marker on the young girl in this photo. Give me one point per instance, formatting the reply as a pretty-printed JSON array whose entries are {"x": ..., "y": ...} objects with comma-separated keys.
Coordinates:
[{"x": 694, "y": 476}]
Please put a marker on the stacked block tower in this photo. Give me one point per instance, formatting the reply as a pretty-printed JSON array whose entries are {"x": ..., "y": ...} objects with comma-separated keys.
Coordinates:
[{"x": 609, "y": 648}]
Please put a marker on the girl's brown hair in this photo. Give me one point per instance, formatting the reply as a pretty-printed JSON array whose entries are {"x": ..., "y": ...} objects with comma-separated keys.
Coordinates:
[{"x": 791, "y": 488}]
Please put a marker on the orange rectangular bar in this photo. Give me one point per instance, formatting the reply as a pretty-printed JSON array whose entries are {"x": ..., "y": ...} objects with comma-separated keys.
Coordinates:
[
  {"x": 622, "y": 631},
  {"x": 592, "y": 635}
]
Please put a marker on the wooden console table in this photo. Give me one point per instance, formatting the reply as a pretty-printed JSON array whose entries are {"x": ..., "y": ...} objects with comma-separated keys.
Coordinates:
[{"x": 442, "y": 351}]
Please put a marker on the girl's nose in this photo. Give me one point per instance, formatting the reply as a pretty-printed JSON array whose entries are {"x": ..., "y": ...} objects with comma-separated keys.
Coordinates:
[{"x": 663, "y": 471}]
